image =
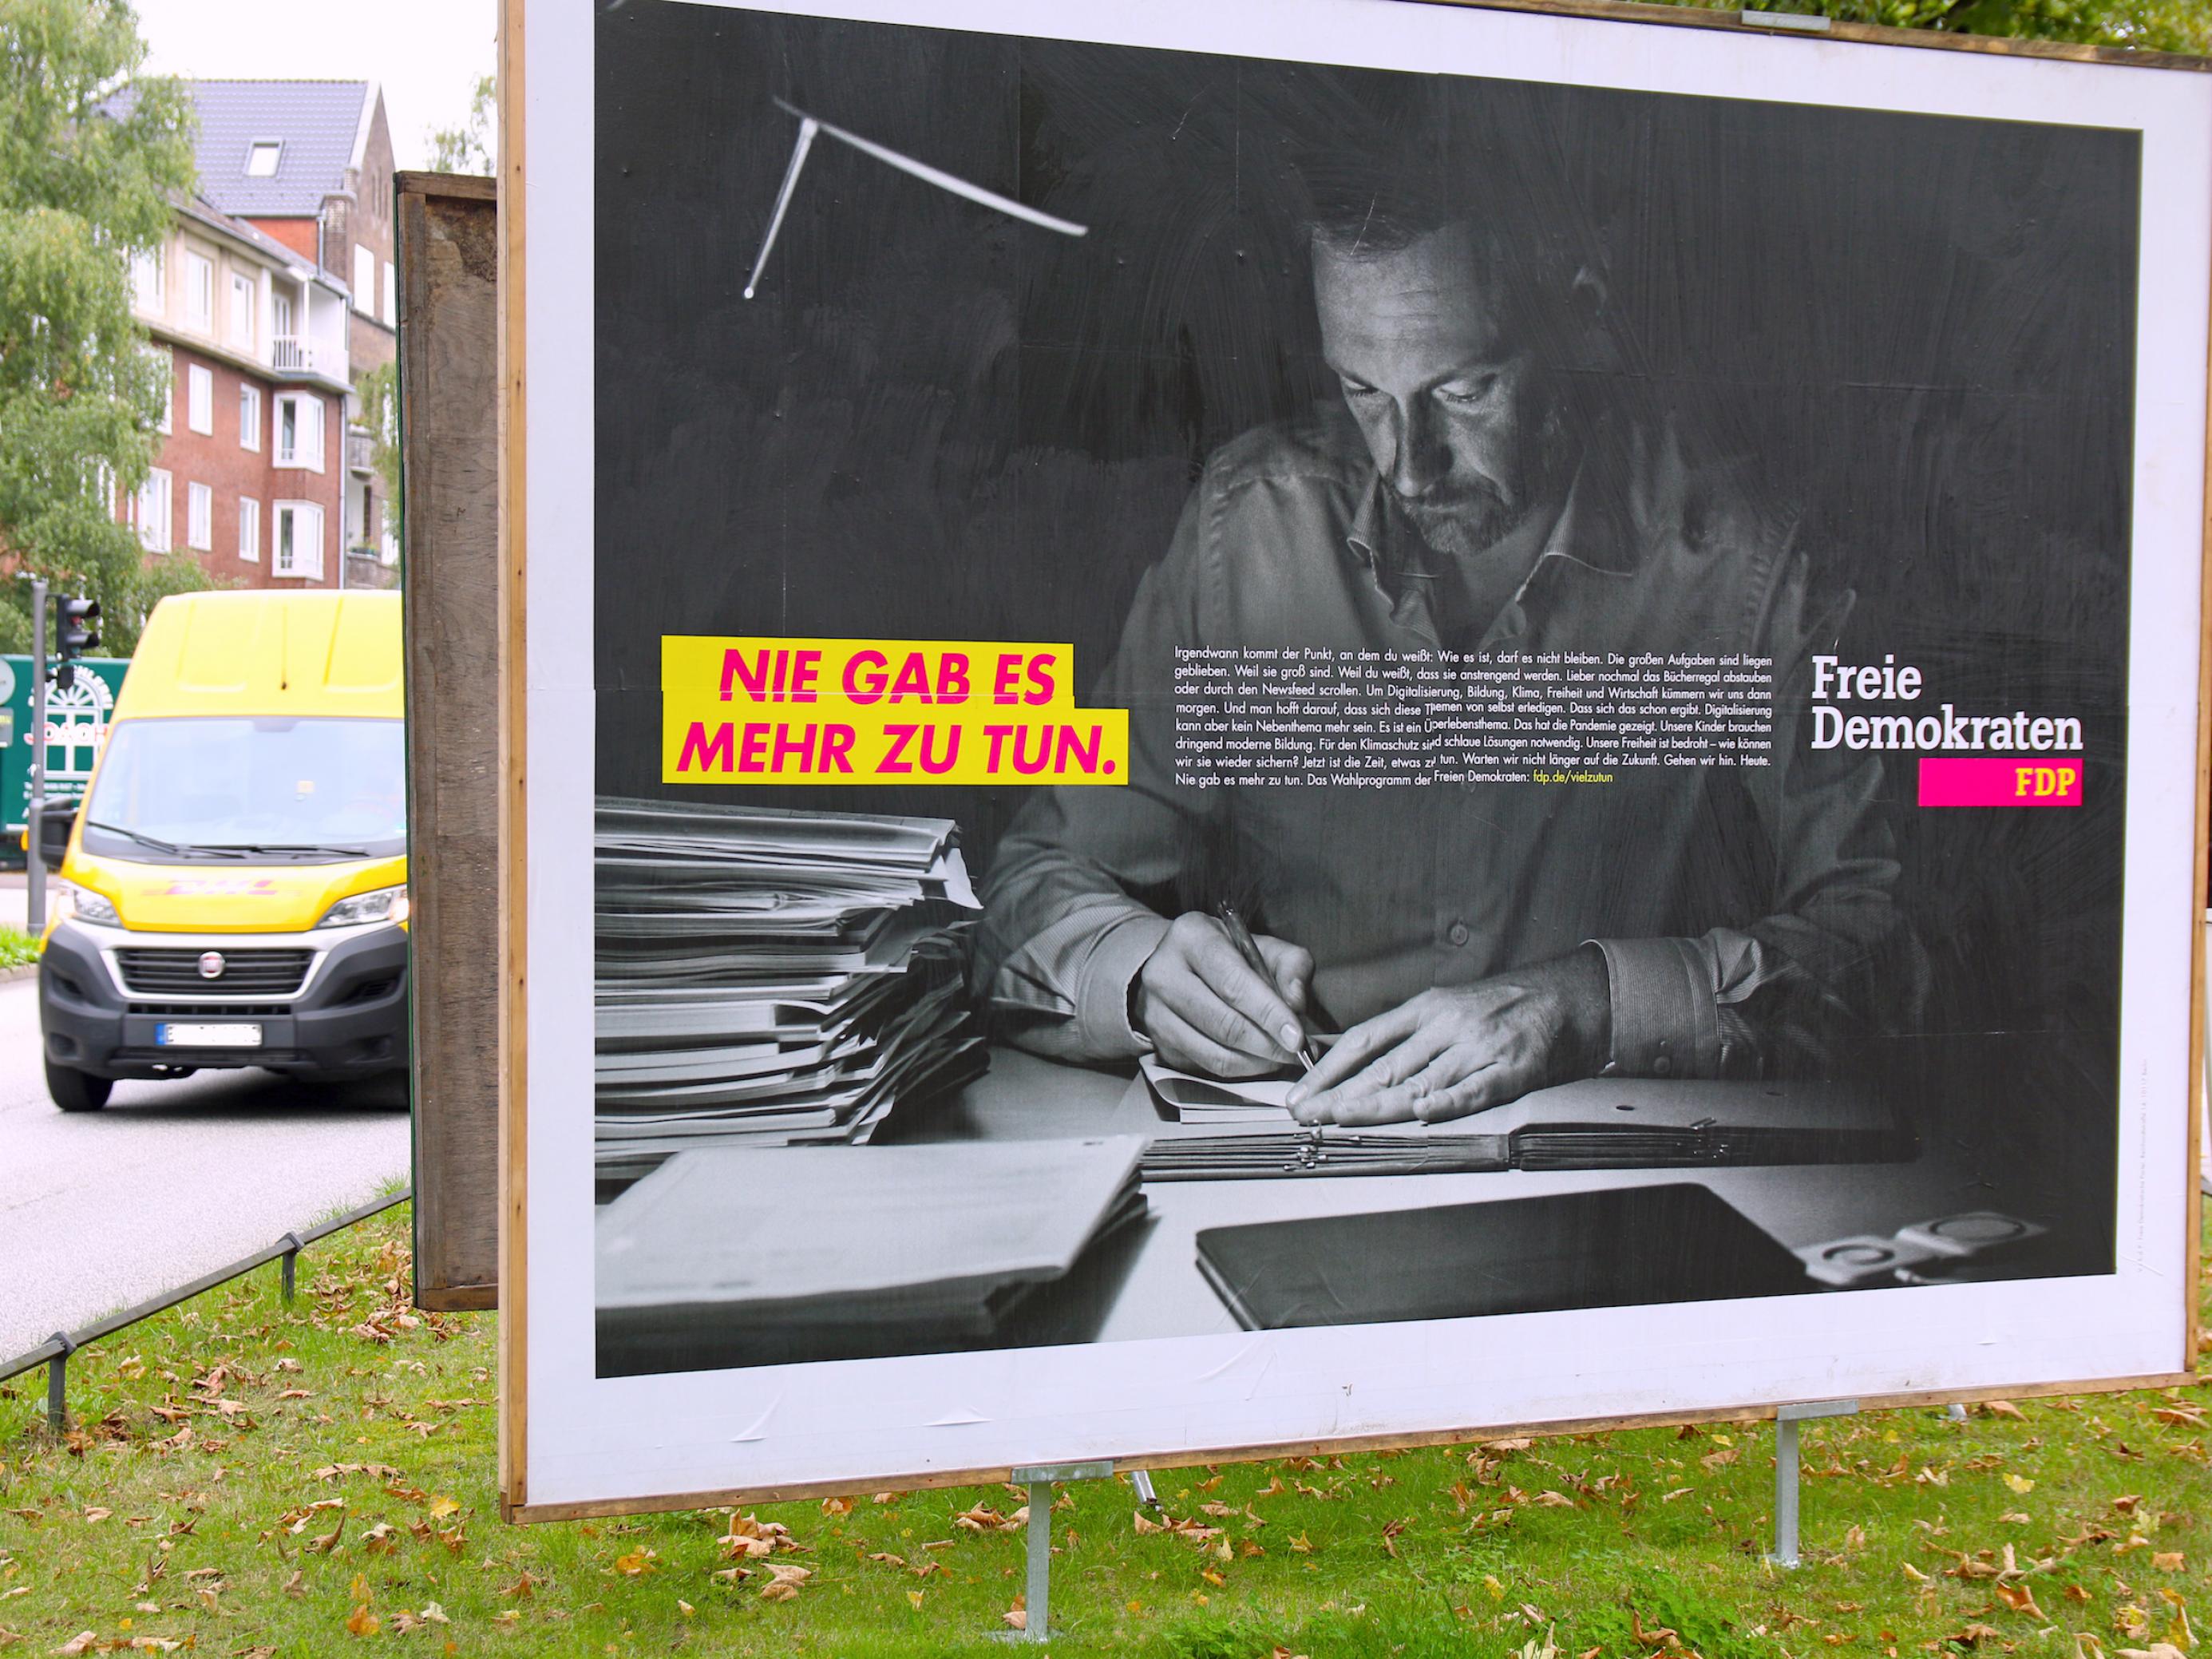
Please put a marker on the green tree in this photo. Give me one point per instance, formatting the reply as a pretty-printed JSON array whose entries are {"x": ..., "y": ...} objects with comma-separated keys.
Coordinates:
[
  {"x": 87, "y": 179},
  {"x": 468, "y": 148},
  {"x": 2153, "y": 25},
  {"x": 379, "y": 414}
]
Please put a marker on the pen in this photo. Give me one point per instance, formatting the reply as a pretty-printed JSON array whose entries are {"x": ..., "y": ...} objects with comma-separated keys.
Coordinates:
[{"x": 1247, "y": 947}]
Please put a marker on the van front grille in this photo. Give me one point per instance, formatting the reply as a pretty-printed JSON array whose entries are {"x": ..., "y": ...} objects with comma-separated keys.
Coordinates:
[{"x": 168, "y": 973}]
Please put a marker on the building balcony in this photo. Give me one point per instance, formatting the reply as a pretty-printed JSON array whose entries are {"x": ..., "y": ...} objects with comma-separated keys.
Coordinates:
[
  {"x": 289, "y": 353},
  {"x": 360, "y": 453}
]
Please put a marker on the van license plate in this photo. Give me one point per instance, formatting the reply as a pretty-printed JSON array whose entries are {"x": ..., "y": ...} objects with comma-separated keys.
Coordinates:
[{"x": 207, "y": 1036}]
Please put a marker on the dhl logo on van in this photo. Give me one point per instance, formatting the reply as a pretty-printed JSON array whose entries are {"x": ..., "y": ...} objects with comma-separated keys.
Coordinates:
[{"x": 221, "y": 887}]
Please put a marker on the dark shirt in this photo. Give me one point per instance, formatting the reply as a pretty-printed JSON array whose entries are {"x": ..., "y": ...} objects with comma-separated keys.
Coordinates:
[{"x": 1743, "y": 912}]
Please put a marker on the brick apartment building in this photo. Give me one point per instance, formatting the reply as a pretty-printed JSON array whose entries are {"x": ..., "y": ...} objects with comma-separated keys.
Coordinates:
[
  {"x": 276, "y": 293},
  {"x": 252, "y": 471}
]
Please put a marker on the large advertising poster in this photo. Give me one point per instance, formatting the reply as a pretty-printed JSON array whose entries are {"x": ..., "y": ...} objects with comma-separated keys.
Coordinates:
[{"x": 1250, "y": 725}]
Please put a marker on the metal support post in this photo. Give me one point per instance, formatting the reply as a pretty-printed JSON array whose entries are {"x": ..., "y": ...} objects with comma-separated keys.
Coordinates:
[
  {"x": 1036, "y": 1600},
  {"x": 34, "y": 871},
  {"x": 290, "y": 1260},
  {"x": 1142, "y": 1479},
  {"x": 57, "y": 1383},
  {"x": 1956, "y": 1411},
  {"x": 1786, "y": 1419}
]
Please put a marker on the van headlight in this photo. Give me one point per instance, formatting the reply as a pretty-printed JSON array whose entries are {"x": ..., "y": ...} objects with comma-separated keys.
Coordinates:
[
  {"x": 382, "y": 905},
  {"x": 86, "y": 905}
]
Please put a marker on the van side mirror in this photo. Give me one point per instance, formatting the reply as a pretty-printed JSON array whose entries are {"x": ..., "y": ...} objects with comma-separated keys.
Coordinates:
[{"x": 57, "y": 818}]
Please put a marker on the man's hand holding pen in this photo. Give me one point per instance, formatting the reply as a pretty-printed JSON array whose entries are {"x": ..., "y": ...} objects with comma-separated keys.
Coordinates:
[
  {"x": 1462, "y": 1048},
  {"x": 1208, "y": 1009}
]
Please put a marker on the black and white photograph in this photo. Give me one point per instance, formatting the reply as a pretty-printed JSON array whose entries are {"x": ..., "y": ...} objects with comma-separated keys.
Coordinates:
[{"x": 1628, "y": 602}]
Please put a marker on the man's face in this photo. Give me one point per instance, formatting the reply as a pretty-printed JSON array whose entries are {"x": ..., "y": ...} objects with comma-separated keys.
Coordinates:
[{"x": 1451, "y": 408}]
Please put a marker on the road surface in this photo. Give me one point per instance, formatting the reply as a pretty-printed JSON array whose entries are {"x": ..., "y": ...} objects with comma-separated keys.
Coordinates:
[{"x": 99, "y": 1210}]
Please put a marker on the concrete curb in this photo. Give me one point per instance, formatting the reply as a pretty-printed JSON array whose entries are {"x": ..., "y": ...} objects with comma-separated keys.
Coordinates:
[{"x": 25, "y": 970}]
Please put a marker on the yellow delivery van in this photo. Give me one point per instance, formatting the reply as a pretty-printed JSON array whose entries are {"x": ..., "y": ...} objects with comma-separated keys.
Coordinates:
[{"x": 233, "y": 883}]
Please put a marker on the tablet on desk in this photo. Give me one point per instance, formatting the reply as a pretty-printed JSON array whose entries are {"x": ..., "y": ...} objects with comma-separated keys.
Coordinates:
[{"x": 1619, "y": 1247}]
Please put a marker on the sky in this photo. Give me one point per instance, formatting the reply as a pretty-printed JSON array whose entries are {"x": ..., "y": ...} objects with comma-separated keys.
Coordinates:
[{"x": 427, "y": 53}]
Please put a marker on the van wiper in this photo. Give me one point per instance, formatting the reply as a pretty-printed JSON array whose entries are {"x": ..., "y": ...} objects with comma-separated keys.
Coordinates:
[
  {"x": 176, "y": 849},
  {"x": 296, "y": 847}
]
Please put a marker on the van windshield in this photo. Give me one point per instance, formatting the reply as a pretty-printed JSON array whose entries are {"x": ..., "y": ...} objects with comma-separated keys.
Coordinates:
[{"x": 263, "y": 789}]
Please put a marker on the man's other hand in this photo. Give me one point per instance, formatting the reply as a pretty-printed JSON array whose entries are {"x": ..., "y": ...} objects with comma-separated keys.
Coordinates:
[
  {"x": 1451, "y": 1051},
  {"x": 1208, "y": 1010}
]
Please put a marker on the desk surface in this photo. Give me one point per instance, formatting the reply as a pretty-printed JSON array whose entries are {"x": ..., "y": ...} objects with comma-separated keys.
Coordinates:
[{"x": 1149, "y": 1283}]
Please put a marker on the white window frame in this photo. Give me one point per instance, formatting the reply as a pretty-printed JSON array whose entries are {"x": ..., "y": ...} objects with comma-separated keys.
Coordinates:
[
  {"x": 276, "y": 149},
  {"x": 249, "y": 416},
  {"x": 364, "y": 279},
  {"x": 244, "y": 295},
  {"x": 149, "y": 279},
  {"x": 389, "y": 310},
  {"x": 306, "y": 451},
  {"x": 162, "y": 356},
  {"x": 249, "y": 529},
  {"x": 199, "y": 399},
  {"x": 199, "y": 517},
  {"x": 199, "y": 291},
  {"x": 152, "y": 511},
  {"x": 292, "y": 515}
]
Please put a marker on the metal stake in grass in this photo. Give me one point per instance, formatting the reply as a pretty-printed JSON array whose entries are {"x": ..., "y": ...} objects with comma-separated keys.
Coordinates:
[
  {"x": 1786, "y": 1419},
  {"x": 1039, "y": 1481}
]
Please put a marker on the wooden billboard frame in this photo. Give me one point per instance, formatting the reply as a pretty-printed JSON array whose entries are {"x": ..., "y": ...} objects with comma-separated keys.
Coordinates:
[
  {"x": 514, "y": 1302},
  {"x": 447, "y": 233}
]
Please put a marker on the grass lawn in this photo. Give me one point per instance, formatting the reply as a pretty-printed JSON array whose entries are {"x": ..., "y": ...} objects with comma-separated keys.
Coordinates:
[
  {"x": 16, "y": 947},
  {"x": 250, "y": 1480}
]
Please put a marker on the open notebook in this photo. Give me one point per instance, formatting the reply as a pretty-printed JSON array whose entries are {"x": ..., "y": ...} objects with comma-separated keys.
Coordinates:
[{"x": 1213, "y": 1130}]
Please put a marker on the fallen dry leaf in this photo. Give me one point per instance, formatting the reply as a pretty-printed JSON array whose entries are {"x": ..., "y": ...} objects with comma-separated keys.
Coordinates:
[
  {"x": 2021, "y": 1484},
  {"x": 83, "y": 1642},
  {"x": 783, "y": 1586},
  {"x": 984, "y": 1519},
  {"x": 2167, "y": 1560},
  {"x": 363, "y": 1622},
  {"x": 2019, "y": 1598}
]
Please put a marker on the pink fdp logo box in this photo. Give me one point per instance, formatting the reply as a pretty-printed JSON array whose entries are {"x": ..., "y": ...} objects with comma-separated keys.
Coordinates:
[{"x": 1996, "y": 781}]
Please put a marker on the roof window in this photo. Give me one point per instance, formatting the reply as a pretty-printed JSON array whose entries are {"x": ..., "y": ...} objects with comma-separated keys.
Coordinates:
[{"x": 261, "y": 159}]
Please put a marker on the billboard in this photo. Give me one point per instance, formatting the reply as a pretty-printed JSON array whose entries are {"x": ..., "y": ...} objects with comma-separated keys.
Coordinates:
[
  {"x": 1332, "y": 724},
  {"x": 76, "y": 725}
]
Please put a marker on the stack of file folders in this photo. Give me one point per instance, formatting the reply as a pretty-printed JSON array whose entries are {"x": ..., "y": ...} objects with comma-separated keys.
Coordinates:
[
  {"x": 732, "y": 1256},
  {"x": 767, "y": 977}
]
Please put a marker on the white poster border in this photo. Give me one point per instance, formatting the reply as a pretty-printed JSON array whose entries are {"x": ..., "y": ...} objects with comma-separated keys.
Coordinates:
[{"x": 629, "y": 1442}]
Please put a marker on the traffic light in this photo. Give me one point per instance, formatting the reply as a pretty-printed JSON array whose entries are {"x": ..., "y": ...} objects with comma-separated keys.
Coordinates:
[{"x": 79, "y": 633}]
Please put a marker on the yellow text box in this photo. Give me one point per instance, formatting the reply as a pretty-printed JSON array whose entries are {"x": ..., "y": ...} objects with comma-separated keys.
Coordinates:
[{"x": 750, "y": 709}]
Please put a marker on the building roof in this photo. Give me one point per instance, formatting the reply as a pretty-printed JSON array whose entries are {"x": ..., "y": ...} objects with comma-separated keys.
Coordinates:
[
  {"x": 322, "y": 125},
  {"x": 203, "y": 212}
]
